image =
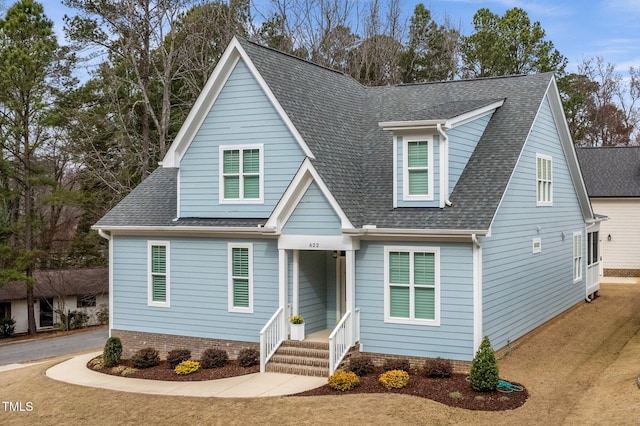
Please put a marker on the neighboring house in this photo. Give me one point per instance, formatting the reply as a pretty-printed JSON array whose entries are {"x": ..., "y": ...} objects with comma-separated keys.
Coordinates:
[
  {"x": 612, "y": 177},
  {"x": 55, "y": 292},
  {"x": 419, "y": 218}
]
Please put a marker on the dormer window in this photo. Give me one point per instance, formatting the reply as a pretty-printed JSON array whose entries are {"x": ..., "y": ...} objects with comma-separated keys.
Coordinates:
[
  {"x": 418, "y": 168},
  {"x": 241, "y": 179}
]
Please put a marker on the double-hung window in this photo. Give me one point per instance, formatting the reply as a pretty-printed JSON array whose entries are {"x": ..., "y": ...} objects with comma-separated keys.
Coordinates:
[
  {"x": 412, "y": 285},
  {"x": 544, "y": 180},
  {"x": 241, "y": 178},
  {"x": 577, "y": 256},
  {"x": 418, "y": 168},
  {"x": 158, "y": 273},
  {"x": 240, "y": 278}
]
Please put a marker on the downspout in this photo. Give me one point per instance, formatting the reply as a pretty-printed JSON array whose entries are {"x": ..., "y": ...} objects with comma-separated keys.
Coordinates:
[
  {"x": 104, "y": 234},
  {"x": 108, "y": 238},
  {"x": 477, "y": 292},
  {"x": 444, "y": 166}
]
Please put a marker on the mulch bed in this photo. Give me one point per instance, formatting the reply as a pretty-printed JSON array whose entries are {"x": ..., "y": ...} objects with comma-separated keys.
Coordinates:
[
  {"x": 436, "y": 389},
  {"x": 163, "y": 372},
  {"x": 440, "y": 390}
]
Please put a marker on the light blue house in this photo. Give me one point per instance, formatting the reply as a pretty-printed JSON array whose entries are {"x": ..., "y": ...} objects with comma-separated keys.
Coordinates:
[{"x": 404, "y": 220}]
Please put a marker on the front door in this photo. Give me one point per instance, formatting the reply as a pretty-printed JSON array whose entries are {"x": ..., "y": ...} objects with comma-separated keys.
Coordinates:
[
  {"x": 46, "y": 312},
  {"x": 341, "y": 286}
]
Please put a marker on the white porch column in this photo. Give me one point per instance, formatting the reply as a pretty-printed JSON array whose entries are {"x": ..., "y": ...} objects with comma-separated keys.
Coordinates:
[
  {"x": 295, "y": 302},
  {"x": 350, "y": 258},
  {"x": 283, "y": 284}
]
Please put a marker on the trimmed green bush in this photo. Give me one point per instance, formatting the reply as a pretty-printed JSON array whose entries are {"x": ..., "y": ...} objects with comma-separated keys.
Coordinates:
[
  {"x": 361, "y": 365},
  {"x": 394, "y": 379},
  {"x": 146, "y": 358},
  {"x": 343, "y": 380},
  {"x": 112, "y": 352},
  {"x": 396, "y": 364},
  {"x": 177, "y": 356},
  {"x": 7, "y": 327},
  {"x": 438, "y": 367},
  {"x": 214, "y": 358},
  {"x": 484, "y": 376},
  {"x": 249, "y": 357}
]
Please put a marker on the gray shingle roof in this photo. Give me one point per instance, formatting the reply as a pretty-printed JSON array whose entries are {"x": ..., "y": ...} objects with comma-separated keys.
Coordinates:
[
  {"x": 611, "y": 171},
  {"x": 338, "y": 119},
  {"x": 66, "y": 282}
]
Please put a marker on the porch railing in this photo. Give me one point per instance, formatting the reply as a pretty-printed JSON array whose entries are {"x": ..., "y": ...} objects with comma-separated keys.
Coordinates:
[
  {"x": 593, "y": 278},
  {"x": 272, "y": 335},
  {"x": 345, "y": 335}
]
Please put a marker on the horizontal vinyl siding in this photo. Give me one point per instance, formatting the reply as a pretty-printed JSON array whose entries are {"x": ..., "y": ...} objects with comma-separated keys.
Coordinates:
[
  {"x": 453, "y": 339},
  {"x": 242, "y": 114},
  {"x": 522, "y": 290},
  {"x": 198, "y": 287},
  {"x": 313, "y": 215},
  {"x": 623, "y": 251},
  {"x": 462, "y": 142}
]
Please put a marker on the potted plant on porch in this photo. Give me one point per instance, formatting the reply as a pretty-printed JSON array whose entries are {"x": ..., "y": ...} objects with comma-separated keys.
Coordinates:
[{"x": 297, "y": 327}]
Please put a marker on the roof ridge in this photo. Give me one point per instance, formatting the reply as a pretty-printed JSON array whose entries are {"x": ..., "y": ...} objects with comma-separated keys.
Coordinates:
[
  {"x": 307, "y": 61},
  {"x": 461, "y": 80}
]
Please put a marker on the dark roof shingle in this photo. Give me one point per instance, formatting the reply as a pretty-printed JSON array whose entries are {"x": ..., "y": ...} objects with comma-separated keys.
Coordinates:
[{"x": 610, "y": 171}]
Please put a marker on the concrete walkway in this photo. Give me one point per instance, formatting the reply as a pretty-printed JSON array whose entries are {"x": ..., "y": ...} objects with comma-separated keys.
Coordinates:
[{"x": 76, "y": 372}]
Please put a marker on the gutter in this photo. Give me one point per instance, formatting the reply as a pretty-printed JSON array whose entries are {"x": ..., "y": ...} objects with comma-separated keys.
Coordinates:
[
  {"x": 259, "y": 230},
  {"x": 373, "y": 231}
]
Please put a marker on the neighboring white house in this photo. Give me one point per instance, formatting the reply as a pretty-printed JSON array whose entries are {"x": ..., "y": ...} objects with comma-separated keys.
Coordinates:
[
  {"x": 612, "y": 177},
  {"x": 56, "y": 292}
]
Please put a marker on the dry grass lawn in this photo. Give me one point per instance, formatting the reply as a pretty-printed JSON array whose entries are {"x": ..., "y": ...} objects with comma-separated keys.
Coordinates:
[{"x": 579, "y": 369}]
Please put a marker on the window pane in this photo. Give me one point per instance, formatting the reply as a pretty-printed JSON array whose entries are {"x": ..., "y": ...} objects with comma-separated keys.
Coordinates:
[
  {"x": 399, "y": 301},
  {"x": 425, "y": 303},
  {"x": 251, "y": 161},
  {"x": 241, "y": 292},
  {"x": 424, "y": 269},
  {"x": 158, "y": 259},
  {"x": 418, "y": 182},
  {"x": 231, "y": 161},
  {"x": 240, "y": 262},
  {"x": 159, "y": 290},
  {"x": 418, "y": 153},
  {"x": 252, "y": 187},
  {"x": 231, "y": 187},
  {"x": 399, "y": 267}
]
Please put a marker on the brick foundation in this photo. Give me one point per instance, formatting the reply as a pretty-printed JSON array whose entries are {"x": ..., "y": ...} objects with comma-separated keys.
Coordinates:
[
  {"x": 625, "y": 273},
  {"x": 462, "y": 367},
  {"x": 132, "y": 341}
]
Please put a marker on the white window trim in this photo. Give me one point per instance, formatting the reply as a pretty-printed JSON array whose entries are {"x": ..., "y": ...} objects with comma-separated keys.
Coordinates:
[
  {"x": 241, "y": 200},
  {"x": 537, "y": 180},
  {"x": 232, "y": 308},
  {"x": 536, "y": 245},
  {"x": 150, "y": 301},
  {"x": 387, "y": 293},
  {"x": 577, "y": 278},
  {"x": 405, "y": 168}
]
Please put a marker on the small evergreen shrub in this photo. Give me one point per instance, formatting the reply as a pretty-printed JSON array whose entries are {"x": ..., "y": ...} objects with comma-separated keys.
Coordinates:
[
  {"x": 396, "y": 364},
  {"x": 187, "y": 367},
  {"x": 343, "y": 380},
  {"x": 177, "y": 356},
  {"x": 112, "y": 352},
  {"x": 146, "y": 358},
  {"x": 484, "y": 375},
  {"x": 123, "y": 370},
  {"x": 249, "y": 357},
  {"x": 361, "y": 365},
  {"x": 7, "y": 327},
  {"x": 214, "y": 358},
  {"x": 438, "y": 367},
  {"x": 394, "y": 379},
  {"x": 80, "y": 319}
]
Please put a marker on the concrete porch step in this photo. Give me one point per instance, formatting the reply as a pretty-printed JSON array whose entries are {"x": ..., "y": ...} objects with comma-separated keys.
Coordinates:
[{"x": 301, "y": 357}]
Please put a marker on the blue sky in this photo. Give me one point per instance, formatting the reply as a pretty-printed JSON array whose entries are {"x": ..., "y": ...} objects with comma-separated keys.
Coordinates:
[{"x": 579, "y": 29}]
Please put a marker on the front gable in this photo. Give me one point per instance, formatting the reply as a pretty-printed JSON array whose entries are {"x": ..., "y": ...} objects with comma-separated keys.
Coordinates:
[
  {"x": 313, "y": 215},
  {"x": 237, "y": 151}
]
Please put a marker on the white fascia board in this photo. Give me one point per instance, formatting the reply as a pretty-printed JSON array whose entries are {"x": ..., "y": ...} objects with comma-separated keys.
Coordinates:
[
  {"x": 473, "y": 115},
  {"x": 186, "y": 230},
  {"x": 409, "y": 232},
  {"x": 396, "y": 126},
  {"x": 296, "y": 189},
  {"x": 208, "y": 96}
]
